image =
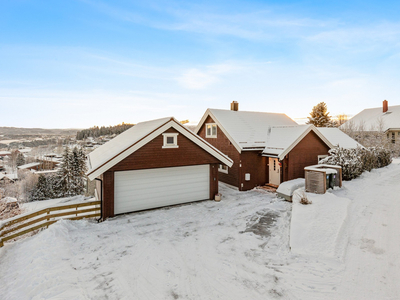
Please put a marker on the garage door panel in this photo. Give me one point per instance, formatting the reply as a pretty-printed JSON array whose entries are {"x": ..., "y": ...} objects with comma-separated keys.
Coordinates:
[
  {"x": 168, "y": 194},
  {"x": 144, "y": 189},
  {"x": 144, "y": 176},
  {"x": 128, "y": 186}
]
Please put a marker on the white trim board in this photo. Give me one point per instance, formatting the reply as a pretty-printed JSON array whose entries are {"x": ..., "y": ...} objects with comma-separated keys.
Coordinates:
[{"x": 172, "y": 123}]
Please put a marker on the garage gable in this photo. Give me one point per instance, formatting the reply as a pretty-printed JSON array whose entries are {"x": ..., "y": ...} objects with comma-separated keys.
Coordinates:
[
  {"x": 118, "y": 149},
  {"x": 153, "y": 155}
]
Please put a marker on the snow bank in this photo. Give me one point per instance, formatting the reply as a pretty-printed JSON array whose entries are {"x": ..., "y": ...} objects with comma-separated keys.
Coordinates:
[
  {"x": 316, "y": 228},
  {"x": 288, "y": 187},
  {"x": 36, "y": 205}
]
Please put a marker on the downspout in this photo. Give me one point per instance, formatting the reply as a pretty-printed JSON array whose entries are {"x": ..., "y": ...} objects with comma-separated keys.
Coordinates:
[{"x": 101, "y": 199}]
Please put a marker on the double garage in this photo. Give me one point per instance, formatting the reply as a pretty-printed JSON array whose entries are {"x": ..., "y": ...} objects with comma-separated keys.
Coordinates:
[
  {"x": 154, "y": 164},
  {"x": 144, "y": 189}
]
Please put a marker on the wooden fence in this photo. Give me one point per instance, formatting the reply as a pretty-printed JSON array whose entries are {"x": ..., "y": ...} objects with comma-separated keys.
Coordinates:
[{"x": 45, "y": 217}]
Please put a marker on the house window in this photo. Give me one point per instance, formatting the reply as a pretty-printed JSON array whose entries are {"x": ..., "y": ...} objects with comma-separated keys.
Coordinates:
[
  {"x": 321, "y": 157},
  {"x": 211, "y": 130},
  {"x": 170, "y": 140},
  {"x": 223, "y": 169}
]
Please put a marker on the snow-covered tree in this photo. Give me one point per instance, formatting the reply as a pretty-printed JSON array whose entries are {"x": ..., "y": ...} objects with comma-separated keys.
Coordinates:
[
  {"x": 320, "y": 117},
  {"x": 69, "y": 180},
  {"x": 356, "y": 161},
  {"x": 72, "y": 172},
  {"x": 20, "y": 159},
  {"x": 40, "y": 191}
]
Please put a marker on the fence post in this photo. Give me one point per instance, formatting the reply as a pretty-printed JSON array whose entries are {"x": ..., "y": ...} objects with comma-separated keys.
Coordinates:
[{"x": 48, "y": 215}]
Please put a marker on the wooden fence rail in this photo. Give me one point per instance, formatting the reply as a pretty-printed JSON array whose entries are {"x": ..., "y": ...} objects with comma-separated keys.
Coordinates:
[{"x": 12, "y": 229}]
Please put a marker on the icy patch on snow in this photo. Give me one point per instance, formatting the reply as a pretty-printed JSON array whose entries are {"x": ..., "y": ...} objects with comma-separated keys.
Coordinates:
[{"x": 317, "y": 229}]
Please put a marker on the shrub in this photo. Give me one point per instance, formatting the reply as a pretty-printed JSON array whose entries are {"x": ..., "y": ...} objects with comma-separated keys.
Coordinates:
[{"x": 356, "y": 161}]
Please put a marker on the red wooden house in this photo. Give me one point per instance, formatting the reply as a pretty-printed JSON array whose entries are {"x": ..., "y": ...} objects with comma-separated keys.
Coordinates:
[
  {"x": 266, "y": 148},
  {"x": 154, "y": 164}
]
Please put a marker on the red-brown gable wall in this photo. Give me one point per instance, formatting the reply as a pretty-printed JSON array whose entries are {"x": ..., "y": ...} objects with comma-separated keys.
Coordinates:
[
  {"x": 256, "y": 165},
  {"x": 152, "y": 155},
  {"x": 304, "y": 154},
  {"x": 223, "y": 144}
]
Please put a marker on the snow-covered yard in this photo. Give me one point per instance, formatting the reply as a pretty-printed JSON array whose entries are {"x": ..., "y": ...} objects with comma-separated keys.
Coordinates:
[{"x": 235, "y": 249}]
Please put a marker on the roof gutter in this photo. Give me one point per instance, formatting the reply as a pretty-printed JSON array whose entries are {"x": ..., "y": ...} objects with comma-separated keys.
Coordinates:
[{"x": 270, "y": 155}]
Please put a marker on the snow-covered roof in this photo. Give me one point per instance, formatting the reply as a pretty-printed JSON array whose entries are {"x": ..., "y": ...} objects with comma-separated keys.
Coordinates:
[
  {"x": 5, "y": 153},
  {"x": 282, "y": 139},
  {"x": 26, "y": 150},
  {"x": 46, "y": 172},
  {"x": 123, "y": 141},
  {"x": 328, "y": 169},
  {"x": 374, "y": 118},
  {"x": 31, "y": 165},
  {"x": 246, "y": 129},
  {"x": 115, "y": 150},
  {"x": 9, "y": 176},
  {"x": 338, "y": 138}
]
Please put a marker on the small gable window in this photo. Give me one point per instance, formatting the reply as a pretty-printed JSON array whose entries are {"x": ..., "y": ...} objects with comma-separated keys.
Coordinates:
[
  {"x": 223, "y": 169},
  {"x": 211, "y": 130},
  {"x": 170, "y": 140}
]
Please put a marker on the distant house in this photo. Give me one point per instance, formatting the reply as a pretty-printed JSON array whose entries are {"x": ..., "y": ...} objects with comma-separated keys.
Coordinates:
[
  {"x": 5, "y": 153},
  {"x": 8, "y": 178},
  {"x": 154, "y": 164},
  {"x": 385, "y": 119},
  {"x": 266, "y": 148},
  {"x": 31, "y": 166}
]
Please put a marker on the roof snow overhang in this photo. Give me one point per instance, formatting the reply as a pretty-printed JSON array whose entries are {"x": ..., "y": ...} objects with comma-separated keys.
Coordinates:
[
  {"x": 203, "y": 119},
  {"x": 172, "y": 123},
  {"x": 282, "y": 155}
]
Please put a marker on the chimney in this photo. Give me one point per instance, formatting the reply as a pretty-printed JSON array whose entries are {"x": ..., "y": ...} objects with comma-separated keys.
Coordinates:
[
  {"x": 235, "y": 106},
  {"x": 385, "y": 106}
]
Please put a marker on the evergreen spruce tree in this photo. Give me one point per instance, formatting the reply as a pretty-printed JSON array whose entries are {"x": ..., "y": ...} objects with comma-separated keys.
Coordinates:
[
  {"x": 20, "y": 159},
  {"x": 39, "y": 192},
  {"x": 320, "y": 117},
  {"x": 65, "y": 174}
]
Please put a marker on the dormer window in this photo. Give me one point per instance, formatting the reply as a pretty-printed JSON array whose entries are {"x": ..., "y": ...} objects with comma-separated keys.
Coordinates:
[
  {"x": 211, "y": 130},
  {"x": 170, "y": 140}
]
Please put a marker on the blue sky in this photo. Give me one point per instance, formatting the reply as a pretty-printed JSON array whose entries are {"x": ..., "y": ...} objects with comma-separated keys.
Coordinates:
[{"x": 75, "y": 64}]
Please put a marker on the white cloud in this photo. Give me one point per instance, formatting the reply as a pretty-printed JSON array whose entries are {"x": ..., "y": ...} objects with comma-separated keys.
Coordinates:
[{"x": 196, "y": 78}]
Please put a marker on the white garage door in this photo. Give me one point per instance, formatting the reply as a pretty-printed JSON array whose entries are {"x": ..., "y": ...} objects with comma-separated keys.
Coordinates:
[{"x": 150, "y": 188}]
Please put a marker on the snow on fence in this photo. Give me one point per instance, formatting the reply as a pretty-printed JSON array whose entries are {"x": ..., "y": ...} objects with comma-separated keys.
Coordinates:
[{"x": 11, "y": 229}]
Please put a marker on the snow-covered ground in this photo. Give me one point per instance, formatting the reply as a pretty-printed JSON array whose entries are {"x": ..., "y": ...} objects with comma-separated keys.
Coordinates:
[{"x": 235, "y": 249}]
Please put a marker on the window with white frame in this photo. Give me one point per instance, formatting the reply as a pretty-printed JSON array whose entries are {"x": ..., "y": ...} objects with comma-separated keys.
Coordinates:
[
  {"x": 211, "y": 130},
  {"x": 223, "y": 169},
  {"x": 170, "y": 140},
  {"x": 321, "y": 157}
]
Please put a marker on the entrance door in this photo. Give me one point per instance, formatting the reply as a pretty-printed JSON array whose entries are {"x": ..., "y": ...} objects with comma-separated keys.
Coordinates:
[{"x": 274, "y": 171}]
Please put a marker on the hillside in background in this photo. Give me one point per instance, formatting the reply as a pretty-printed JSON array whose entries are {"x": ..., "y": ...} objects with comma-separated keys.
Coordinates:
[
  {"x": 14, "y": 131},
  {"x": 97, "y": 131}
]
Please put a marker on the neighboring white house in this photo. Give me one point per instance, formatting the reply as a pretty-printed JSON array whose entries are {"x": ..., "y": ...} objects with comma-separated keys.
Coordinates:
[{"x": 384, "y": 119}]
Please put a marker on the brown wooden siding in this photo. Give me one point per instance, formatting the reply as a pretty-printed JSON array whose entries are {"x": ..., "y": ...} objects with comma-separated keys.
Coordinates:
[
  {"x": 304, "y": 154},
  {"x": 223, "y": 144},
  {"x": 152, "y": 155},
  {"x": 213, "y": 180},
  {"x": 108, "y": 194},
  {"x": 256, "y": 165}
]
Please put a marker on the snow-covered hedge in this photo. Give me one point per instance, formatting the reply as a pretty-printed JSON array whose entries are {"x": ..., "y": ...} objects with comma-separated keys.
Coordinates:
[{"x": 356, "y": 161}]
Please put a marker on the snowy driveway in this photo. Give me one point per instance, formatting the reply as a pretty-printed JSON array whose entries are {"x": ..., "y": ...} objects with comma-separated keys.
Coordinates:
[
  {"x": 205, "y": 250},
  {"x": 235, "y": 249}
]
